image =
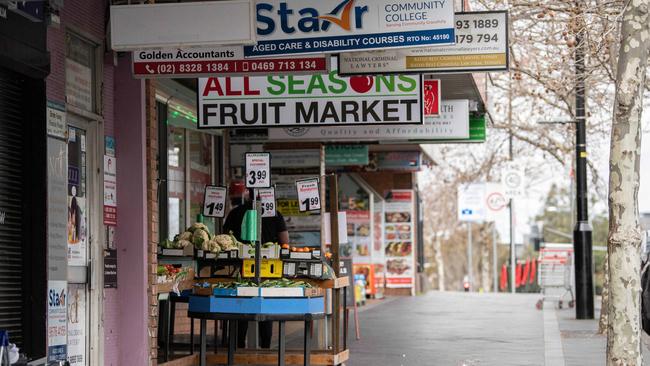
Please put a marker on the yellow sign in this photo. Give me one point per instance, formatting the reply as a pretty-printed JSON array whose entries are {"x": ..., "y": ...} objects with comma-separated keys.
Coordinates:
[{"x": 271, "y": 268}]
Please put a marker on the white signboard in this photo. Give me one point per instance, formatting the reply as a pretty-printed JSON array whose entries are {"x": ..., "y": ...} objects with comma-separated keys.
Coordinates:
[
  {"x": 225, "y": 60},
  {"x": 453, "y": 123},
  {"x": 57, "y": 320},
  {"x": 309, "y": 100},
  {"x": 258, "y": 170},
  {"x": 267, "y": 200},
  {"x": 481, "y": 45},
  {"x": 343, "y": 228},
  {"x": 214, "y": 201},
  {"x": 56, "y": 122},
  {"x": 495, "y": 200},
  {"x": 513, "y": 181},
  {"x": 188, "y": 24},
  {"x": 308, "y": 194},
  {"x": 307, "y": 26},
  {"x": 110, "y": 181},
  {"x": 471, "y": 202}
]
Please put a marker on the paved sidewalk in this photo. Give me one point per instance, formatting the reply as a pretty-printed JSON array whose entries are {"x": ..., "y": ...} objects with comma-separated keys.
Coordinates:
[{"x": 451, "y": 328}]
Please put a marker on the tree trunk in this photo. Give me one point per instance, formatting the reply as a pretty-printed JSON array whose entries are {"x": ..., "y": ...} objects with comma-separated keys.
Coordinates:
[
  {"x": 604, "y": 305},
  {"x": 624, "y": 241},
  {"x": 486, "y": 268},
  {"x": 440, "y": 264}
]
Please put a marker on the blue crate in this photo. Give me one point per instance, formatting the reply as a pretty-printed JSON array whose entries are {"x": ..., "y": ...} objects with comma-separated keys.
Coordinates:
[
  {"x": 257, "y": 305},
  {"x": 224, "y": 291}
]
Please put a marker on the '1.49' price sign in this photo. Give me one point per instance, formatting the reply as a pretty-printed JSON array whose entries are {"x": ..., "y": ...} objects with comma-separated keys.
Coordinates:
[
  {"x": 258, "y": 170},
  {"x": 214, "y": 201},
  {"x": 308, "y": 194}
]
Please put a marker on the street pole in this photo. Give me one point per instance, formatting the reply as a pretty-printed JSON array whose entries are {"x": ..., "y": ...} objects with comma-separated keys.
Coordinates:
[
  {"x": 470, "y": 274},
  {"x": 582, "y": 245},
  {"x": 513, "y": 249},
  {"x": 495, "y": 282}
]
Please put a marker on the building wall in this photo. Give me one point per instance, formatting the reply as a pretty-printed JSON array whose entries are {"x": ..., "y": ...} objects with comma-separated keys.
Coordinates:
[{"x": 87, "y": 18}]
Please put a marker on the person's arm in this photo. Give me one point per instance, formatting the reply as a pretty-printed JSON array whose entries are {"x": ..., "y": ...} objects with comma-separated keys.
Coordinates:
[
  {"x": 283, "y": 237},
  {"x": 283, "y": 233}
]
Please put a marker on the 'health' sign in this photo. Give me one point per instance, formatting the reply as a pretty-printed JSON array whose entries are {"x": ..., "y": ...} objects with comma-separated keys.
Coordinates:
[{"x": 307, "y": 26}]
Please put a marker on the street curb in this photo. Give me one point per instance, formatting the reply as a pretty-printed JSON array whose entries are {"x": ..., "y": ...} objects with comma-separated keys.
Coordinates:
[{"x": 553, "y": 352}]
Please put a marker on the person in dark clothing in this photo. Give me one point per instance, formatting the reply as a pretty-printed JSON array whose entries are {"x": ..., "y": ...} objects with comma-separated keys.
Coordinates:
[{"x": 274, "y": 229}]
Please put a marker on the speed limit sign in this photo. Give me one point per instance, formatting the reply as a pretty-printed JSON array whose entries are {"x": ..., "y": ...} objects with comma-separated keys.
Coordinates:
[{"x": 258, "y": 170}]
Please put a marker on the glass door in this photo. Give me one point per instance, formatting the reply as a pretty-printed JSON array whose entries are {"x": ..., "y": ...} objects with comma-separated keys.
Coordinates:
[{"x": 79, "y": 236}]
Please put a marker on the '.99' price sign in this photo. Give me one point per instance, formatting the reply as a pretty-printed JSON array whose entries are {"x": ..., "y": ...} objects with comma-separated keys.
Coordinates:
[
  {"x": 308, "y": 194},
  {"x": 258, "y": 170},
  {"x": 267, "y": 200},
  {"x": 214, "y": 201}
]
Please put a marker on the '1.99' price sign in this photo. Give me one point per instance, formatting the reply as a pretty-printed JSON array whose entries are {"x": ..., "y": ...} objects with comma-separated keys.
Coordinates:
[
  {"x": 267, "y": 200},
  {"x": 308, "y": 194},
  {"x": 258, "y": 170},
  {"x": 214, "y": 201}
]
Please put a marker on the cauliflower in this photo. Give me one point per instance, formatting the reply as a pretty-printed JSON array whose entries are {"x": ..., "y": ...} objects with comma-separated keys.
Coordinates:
[
  {"x": 198, "y": 226},
  {"x": 186, "y": 235},
  {"x": 184, "y": 243},
  {"x": 200, "y": 239},
  {"x": 213, "y": 246},
  {"x": 224, "y": 241}
]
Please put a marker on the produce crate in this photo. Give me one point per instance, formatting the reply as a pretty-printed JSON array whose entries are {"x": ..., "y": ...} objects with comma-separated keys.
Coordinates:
[
  {"x": 293, "y": 269},
  {"x": 288, "y": 254},
  {"x": 271, "y": 268},
  {"x": 229, "y": 254},
  {"x": 188, "y": 251},
  {"x": 257, "y": 305},
  {"x": 248, "y": 251}
]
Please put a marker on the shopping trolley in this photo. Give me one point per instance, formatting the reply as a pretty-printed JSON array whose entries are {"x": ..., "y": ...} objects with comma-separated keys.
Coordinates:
[{"x": 554, "y": 272}]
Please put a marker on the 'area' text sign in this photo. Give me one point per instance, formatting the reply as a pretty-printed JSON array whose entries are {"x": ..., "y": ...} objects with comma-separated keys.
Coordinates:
[
  {"x": 227, "y": 60},
  {"x": 481, "y": 45},
  {"x": 308, "y": 26},
  {"x": 309, "y": 101}
]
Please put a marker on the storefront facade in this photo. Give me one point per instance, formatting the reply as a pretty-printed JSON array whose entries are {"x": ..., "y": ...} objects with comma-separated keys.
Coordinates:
[{"x": 24, "y": 64}]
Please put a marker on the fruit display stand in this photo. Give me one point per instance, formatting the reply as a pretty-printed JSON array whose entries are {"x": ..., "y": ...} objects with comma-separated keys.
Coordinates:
[{"x": 274, "y": 304}]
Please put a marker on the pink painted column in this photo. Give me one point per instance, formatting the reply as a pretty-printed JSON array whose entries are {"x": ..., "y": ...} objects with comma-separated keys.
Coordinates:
[{"x": 131, "y": 238}]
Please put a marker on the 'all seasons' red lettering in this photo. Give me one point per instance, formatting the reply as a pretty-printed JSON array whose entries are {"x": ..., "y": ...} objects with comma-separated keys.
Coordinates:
[{"x": 214, "y": 85}]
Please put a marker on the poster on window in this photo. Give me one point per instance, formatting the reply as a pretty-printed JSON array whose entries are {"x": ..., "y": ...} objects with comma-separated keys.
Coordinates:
[
  {"x": 77, "y": 224},
  {"x": 359, "y": 235},
  {"x": 110, "y": 190},
  {"x": 77, "y": 325},
  {"x": 398, "y": 239},
  {"x": 56, "y": 320}
]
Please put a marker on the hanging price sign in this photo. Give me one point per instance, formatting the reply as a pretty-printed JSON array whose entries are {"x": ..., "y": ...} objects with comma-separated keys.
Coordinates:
[
  {"x": 267, "y": 200},
  {"x": 308, "y": 194},
  {"x": 214, "y": 201},
  {"x": 258, "y": 170}
]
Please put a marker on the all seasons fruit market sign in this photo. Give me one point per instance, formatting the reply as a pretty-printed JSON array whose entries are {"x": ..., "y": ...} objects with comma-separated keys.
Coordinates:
[
  {"x": 309, "y": 101},
  {"x": 308, "y": 26}
]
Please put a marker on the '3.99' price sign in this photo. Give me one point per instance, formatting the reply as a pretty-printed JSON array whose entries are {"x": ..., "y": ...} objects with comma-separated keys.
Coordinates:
[
  {"x": 258, "y": 170},
  {"x": 214, "y": 201},
  {"x": 308, "y": 194}
]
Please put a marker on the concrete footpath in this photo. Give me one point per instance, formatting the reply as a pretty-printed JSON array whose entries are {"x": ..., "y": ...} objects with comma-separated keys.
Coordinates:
[{"x": 471, "y": 329}]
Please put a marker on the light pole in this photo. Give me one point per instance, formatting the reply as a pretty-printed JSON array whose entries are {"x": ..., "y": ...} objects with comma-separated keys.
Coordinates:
[{"x": 582, "y": 245}]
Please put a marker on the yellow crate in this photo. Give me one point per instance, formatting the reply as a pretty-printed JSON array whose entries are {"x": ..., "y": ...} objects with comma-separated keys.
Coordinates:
[{"x": 271, "y": 268}]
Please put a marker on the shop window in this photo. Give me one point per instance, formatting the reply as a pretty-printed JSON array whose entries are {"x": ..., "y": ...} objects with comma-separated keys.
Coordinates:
[
  {"x": 81, "y": 73},
  {"x": 189, "y": 164}
]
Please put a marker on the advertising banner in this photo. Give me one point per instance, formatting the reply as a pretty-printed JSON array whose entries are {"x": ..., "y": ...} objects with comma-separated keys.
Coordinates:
[
  {"x": 471, "y": 202},
  {"x": 110, "y": 191},
  {"x": 453, "y": 123},
  {"x": 431, "y": 98},
  {"x": 304, "y": 26},
  {"x": 226, "y": 60},
  {"x": 399, "y": 236},
  {"x": 481, "y": 45},
  {"x": 57, "y": 320},
  {"x": 309, "y": 100},
  {"x": 342, "y": 155}
]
